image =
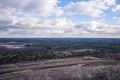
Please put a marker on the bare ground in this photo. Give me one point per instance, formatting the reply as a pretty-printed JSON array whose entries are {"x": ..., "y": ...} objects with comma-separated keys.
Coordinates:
[{"x": 55, "y": 69}]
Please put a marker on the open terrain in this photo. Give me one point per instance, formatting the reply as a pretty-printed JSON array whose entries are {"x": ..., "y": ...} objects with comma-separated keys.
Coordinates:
[
  {"x": 60, "y": 59},
  {"x": 57, "y": 69}
]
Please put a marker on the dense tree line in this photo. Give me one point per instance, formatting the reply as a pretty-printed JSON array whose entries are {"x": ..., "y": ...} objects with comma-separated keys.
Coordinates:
[{"x": 58, "y": 50}]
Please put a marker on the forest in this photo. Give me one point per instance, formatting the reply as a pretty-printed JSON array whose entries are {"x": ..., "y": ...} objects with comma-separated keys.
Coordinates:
[{"x": 55, "y": 50}]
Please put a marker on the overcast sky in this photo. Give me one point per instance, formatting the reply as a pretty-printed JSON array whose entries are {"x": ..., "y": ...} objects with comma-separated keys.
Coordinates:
[{"x": 60, "y": 18}]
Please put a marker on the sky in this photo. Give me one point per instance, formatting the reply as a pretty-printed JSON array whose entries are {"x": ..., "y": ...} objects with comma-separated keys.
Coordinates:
[{"x": 60, "y": 18}]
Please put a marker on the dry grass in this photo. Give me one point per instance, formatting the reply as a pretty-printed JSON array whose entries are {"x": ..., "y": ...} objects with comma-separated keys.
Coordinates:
[
  {"x": 63, "y": 69},
  {"x": 103, "y": 74}
]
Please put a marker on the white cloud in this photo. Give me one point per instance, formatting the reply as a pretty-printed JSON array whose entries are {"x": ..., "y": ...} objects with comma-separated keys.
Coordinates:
[
  {"x": 58, "y": 23},
  {"x": 32, "y": 18},
  {"x": 109, "y": 2},
  {"x": 13, "y": 3},
  {"x": 28, "y": 22},
  {"x": 117, "y": 18},
  {"x": 99, "y": 28},
  {"x": 11, "y": 6},
  {"x": 36, "y": 27},
  {"x": 93, "y": 8},
  {"x": 32, "y": 7},
  {"x": 42, "y": 7},
  {"x": 116, "y": 8},
  {"x": 63, "y": 27}
]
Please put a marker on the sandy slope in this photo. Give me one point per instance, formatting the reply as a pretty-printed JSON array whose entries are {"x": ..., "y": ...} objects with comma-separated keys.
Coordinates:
[{"x": 53, "y": 69}]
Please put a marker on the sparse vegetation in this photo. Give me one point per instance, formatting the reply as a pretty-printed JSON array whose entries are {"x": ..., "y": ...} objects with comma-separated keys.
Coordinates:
[{"x": 103, "y": 74}]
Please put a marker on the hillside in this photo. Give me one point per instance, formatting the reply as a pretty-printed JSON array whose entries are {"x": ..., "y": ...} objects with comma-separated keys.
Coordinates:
[{"x": 60, "y": 69}]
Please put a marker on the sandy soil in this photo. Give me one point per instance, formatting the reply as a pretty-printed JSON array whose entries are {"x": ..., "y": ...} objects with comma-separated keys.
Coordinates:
[{"x": 54, "y": 69}]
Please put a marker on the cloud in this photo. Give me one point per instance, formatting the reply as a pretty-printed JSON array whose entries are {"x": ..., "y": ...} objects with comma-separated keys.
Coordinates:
[
  {"x": 36, "y": 27},
  {"x": 60, "y": 23},
  {"x": 117, "y": 18},
  {"x": 33, "y": 18},
  {"x": 11, "y": 6},
  {"x": 98, "y": 27},
  {"x": 116, "y": 8},
  {"x": 43, "y": 7},
  {"x": 93, "y": 8},
  {"x": 62, "y": 27},
  {"x": 7, "y": 22},
  {"x": 17, "y": 4},
  {"x": 32, "y": 7},
  {"x": 28, "y": 22}
]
